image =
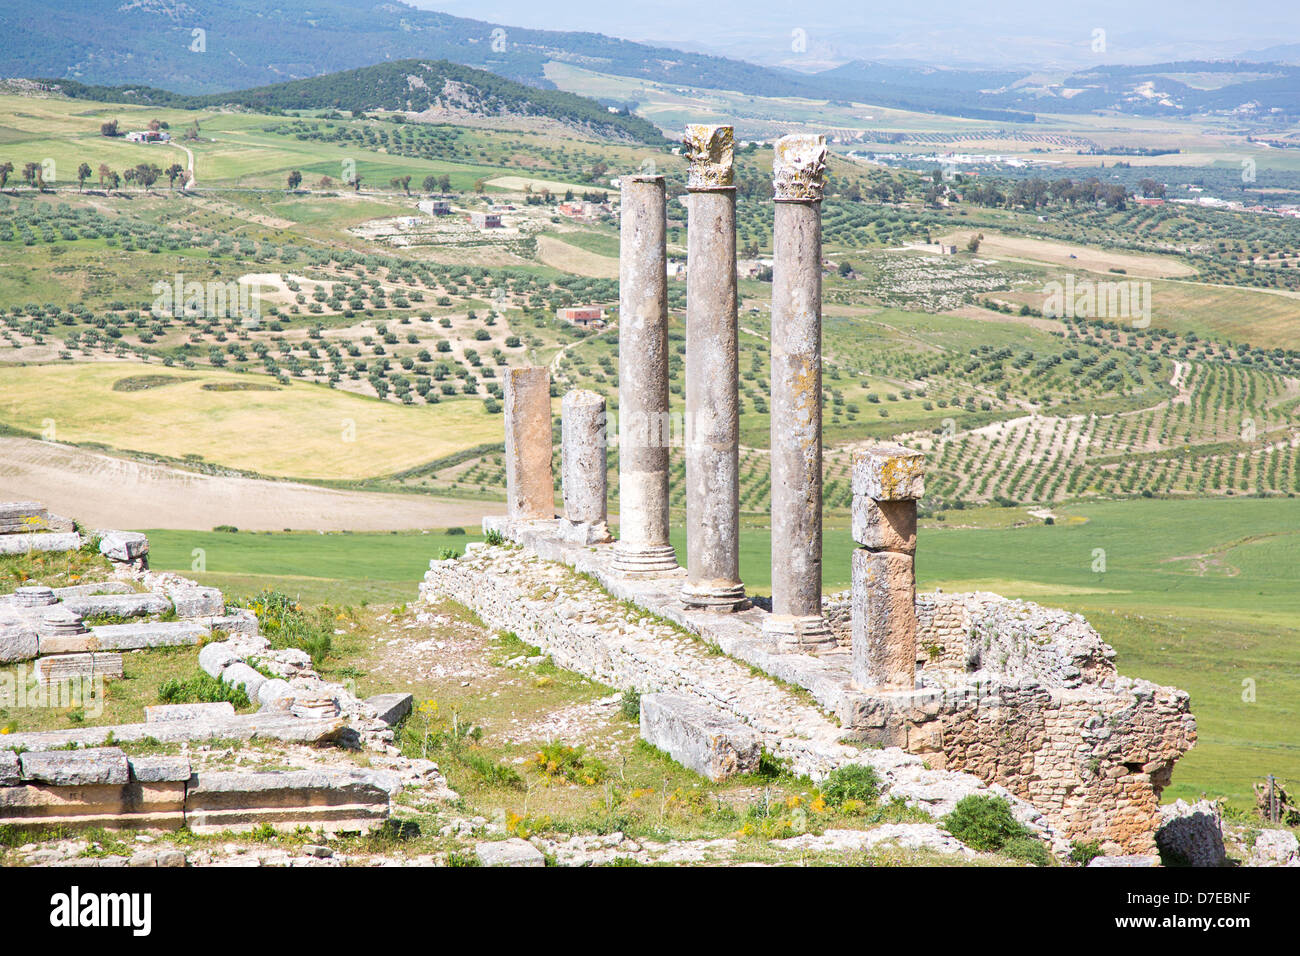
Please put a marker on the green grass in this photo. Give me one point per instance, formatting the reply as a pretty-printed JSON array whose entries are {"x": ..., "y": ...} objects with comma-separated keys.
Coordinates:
[{"x": 338, "y": 568}]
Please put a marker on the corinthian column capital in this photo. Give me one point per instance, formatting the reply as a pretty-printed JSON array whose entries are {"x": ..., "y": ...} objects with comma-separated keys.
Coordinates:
[
  {"x": 799, "y": 167},
  {"x": 709, "y": 150}
]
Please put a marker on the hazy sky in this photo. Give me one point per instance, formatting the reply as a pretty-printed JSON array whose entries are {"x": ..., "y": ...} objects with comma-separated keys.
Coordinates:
[{"x": 942, "y": 30}]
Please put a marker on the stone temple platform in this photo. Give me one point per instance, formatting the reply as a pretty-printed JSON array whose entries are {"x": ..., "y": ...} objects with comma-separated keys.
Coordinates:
[{"x": 1024, "y": 698}]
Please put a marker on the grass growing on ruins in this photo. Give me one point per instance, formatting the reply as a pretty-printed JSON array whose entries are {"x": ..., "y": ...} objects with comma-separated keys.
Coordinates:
[
  {"x": 53, "y": 568},
  {"x": 70, "y": 705}
]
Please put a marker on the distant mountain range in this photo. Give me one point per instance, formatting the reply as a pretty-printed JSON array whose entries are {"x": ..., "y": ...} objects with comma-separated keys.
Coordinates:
[
  {"x": 411, "y": 85},
  {"x": 209, "y": 46}
]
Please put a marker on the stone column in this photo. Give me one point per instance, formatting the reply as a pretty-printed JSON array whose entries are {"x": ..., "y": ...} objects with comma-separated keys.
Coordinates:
[
  {"x": 582, "y": 465},
  {"x": 530, "y": 491},
  {"x": 712, "y": 376},
  {"x": 887, "y": 482},
  {"x": 642, "y": 547},
  {"x": 797, "y": 175}
]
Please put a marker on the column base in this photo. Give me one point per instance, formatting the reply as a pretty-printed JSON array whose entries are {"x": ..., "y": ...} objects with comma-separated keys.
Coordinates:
[
  {"x": 799, "y": 633},
  {"x": 715, "y": 596},
  {"x": 644, "y": 561},
  {"x": 584, "y": 532}
]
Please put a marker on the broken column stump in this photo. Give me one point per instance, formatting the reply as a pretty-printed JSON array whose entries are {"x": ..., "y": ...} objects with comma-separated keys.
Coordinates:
[
  {"x": 530, "y": 490},
  {"x": 887, "y": 482},
  {"x": 583, "y": 466}
]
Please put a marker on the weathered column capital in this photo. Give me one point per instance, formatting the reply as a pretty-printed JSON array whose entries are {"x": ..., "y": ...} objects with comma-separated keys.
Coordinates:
[
  {"x": 709, "y": 150},
  {"x": 888, "y": 472},
  {"x": 799, "y": 167}
]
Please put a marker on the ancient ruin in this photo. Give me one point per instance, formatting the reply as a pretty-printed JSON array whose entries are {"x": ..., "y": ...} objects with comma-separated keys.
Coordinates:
[
  {"x": 712, "y": 375},
  {"x": 961, "y": 693}
]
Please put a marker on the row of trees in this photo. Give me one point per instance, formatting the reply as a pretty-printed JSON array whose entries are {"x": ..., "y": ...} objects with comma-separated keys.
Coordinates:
[
  {"x": 143, "y": 174},
  {"x": 1033, "y": 193}
]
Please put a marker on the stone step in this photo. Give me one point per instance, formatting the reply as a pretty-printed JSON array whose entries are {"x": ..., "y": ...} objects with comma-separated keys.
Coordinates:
[
  {"x": 122, "y": 605},
  {"x": 268, "y": 724},
  {"x": 133, "y": 637},
  {"x": 201, "y": 711},
  {"x": 333, "y": 800},
  {"x": 51, "y": 541}
]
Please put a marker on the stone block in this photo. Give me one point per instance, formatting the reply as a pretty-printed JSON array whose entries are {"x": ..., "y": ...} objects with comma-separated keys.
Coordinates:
[
  {"x": 392, "y": 708},
  {"x": 885, "y": 525},
  {"x": 215, "y": 658},
  {"x": 95, "y": 587},
  {"x": 10, "y": 770},
  {"x": 18, "y": 642},
  {"x": 1191, "y": 834},
  {"x": 884, "y": 619},
  {"x": 23, "y": 516},
  {"x": 240, "y": 621},
  {"x": 699, "y": 737},
  {"x": 1136, "y": 859},
  {"x": 125, "y": 547},
  {"x": 61, "y": 667},
  {"x": 76, "y": 768},
  {"x": 201, "y": 711},
  {"x": 145, "y": 634},
  {"x": 160, "y": 769},
  {"x": 264, "y": 724},
  {"x": 512, "y": 852},
  {"x": 52, "y": 541},
  {"x": 889, "y": 472},
  {"x": 198, "y": 602},
  {"x": 123, "y": 605},
  {"x": 331, "y": 799},
  {"x": 42, "y": 807}
]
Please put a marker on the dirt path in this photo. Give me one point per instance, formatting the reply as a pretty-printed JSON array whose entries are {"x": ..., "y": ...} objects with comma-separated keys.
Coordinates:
[{"x": 113, "y": 492}]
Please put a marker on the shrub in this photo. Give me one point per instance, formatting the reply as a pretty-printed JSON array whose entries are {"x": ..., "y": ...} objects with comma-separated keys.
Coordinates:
[
  {"x": 986, "y": 824},
  {"x": 630, "y": 704},
  {"x": 851, "y": 782},
  {"x": 201, "y": 689},
  {"x": 1084, "y": 853},
  {"x": 286, "y": 624}
]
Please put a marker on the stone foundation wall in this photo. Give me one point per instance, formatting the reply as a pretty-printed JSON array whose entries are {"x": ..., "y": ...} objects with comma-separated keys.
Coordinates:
[
  {"x": 1094, "y": 759},
  {"x": 961, "y": 637},
  {"x": 103, "y": 787}
]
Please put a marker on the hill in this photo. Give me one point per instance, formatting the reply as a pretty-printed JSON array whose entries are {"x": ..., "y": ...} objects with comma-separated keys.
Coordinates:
[{"x": 417, "y": 86}]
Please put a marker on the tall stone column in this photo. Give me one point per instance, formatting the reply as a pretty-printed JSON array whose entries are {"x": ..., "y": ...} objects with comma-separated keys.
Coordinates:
[
  {"x": 887, "y": 482},
  {"x": 712, "y": 376},
  {"x": 582, "y": 465},
  {"x": 798, "y": 177},
  {"x": 530, "y": 490},
  {"x": 643, "y": 434}
]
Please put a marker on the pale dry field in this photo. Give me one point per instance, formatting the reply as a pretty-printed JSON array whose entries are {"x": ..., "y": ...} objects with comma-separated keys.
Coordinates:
[
  {"x": 560, "y": 255},
  {"x": 1086, "y": 258},
  {"x": 107, "y": 492}
]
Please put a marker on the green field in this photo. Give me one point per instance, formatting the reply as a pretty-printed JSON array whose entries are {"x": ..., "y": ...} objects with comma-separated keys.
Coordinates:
[{"x": 1197, "y": 594}]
